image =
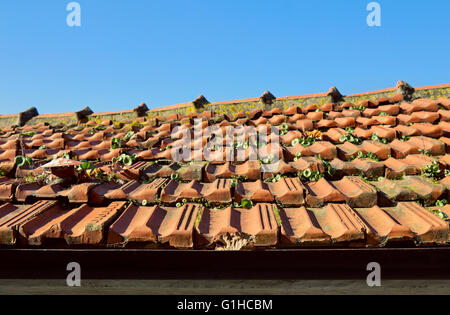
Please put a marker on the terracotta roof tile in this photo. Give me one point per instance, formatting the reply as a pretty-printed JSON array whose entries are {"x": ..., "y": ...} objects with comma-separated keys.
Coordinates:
[
  {"x": 299, "y": 227},
  {"x": 427, "y": 227},
  {"x": 12, "y": 221},
  {"x": 340, "y": 223},
  {"x": 87, "y": 225}
]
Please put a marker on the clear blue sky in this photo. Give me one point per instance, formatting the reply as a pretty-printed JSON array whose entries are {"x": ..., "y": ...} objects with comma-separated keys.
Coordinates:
[{"x": 166, "y": 52}]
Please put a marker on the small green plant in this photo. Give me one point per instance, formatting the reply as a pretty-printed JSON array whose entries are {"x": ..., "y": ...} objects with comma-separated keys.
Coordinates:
[
  {"x": 181, "y": 203},
  {"x": 439, "y": 212},
  {"x": 125, "y": 159},
  {"x": 284, "y": 129},
  {"x": 404, "y": 138},
  {"x": 349, "y": 129},
  {"x": 85, "y": 167},
  {"x": 432, "y": 170},
  {"x": 175, "y": 177},
  {"x": 128, "y": 136},
  {"x": 350, "y": 138},
  {"x": 273, "y": 178},
  {"x": 306, "y": 142},
  {"x": 23, "y": 160},
  {"x": 309, "y": 176},
  {"x": 369, "y": 155},
  {"x": 375, "y": 137},
  {"x": 30, "y": 178},
  {"x": 447, "y": 172},
  {"x": 360, "y": 108},
  {"x": 298, "y": 156},
  {"x": 116, "y": 143},
  {"x": 246, "y": 204},
  {"x": 109, "y": 177},
  {"x": 237, "y": 178},
  {"x": 329, "y": 169},
  {"x": 425, "y": 152},
  {"x": 268, "y": 160},
  {"x": 28, "y": 133},
  {"x": 383, "y": 114},
  {"x": 441, "y": 203}
]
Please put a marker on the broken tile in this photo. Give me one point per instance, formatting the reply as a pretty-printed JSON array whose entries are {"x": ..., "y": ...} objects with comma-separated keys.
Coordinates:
[{"x": 236, "y": 228}]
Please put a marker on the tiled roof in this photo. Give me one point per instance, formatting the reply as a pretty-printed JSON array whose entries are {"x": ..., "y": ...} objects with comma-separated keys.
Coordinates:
[{"x": 364, "y": 170}]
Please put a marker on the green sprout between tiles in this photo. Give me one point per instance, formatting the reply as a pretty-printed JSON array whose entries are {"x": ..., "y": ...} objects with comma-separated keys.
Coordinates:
[
  {"x": 425, "y": 152},
  {"x": 360, "y": 108},
  {"x": 274, "y": 178},
  {"x": 235, "y": 180},
  {"x": 180, "y": 204},
  {"x": 23, "y": 160},
  {"x": 125, "y": 159},
  {"x": 43, "y": 178},
  {"x": 28, "y": 133},
  {"x": 441, "y": 203},
  {"x": 383, "y": 114},
  {"x": 220, "y": 207},
  {"x": 99, "y": 128},
  {"x": 377, "y": 138},
  {"x": 268, "y": 160},
  {"x": 284, "y": 129},
  {"x": 330, "y": 170},
  {"x": 404, "y": 138},
  {"x": 117, "y": 143},
  {"x": 306, "y": 142},
  {"x": 432, "y": 170},
  {"x": 361, "y": 155},
  {"x": 349, "y": 129},
  {"x": 175, "y": 177},
  {"x": 298, "y": 156},
  {"x": 245, "y": 204},
  {"x": 65, "y": 155},
  {"x": 350, "y": 138},
  {"x": 440, "y": 214},
  {"x": 308, "y": 175},
  {"x": 447, "y": 173},
  {"x": 85, "y": 167}
]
